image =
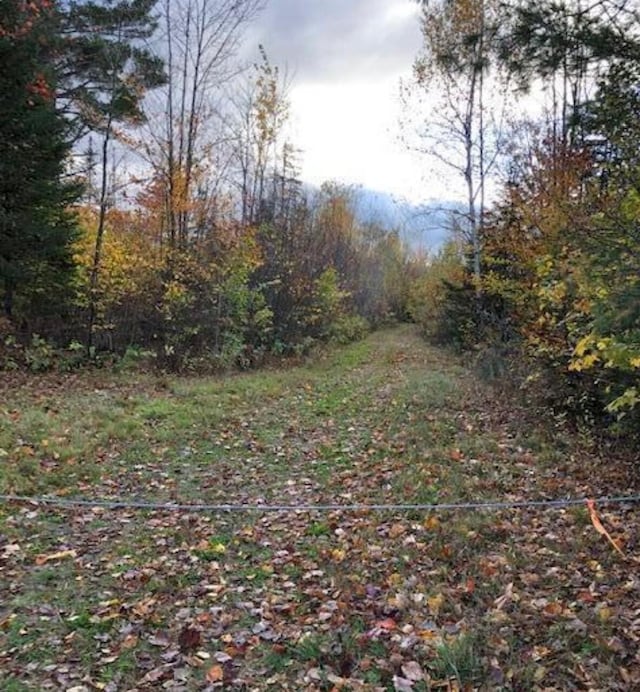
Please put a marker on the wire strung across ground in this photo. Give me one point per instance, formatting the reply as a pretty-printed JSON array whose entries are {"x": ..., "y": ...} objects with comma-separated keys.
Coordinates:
[{"x": 218, "y": 508}]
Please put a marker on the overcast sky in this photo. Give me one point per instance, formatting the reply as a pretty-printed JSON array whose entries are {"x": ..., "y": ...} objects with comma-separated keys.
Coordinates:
[{"x": 346, "y": 58}]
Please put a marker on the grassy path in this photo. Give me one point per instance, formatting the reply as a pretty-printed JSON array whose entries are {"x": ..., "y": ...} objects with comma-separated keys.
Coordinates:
[{"x": 119, "y": 600}]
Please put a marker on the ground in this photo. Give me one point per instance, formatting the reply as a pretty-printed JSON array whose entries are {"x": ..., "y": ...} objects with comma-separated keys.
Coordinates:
[{"x": 96, "y": 598}]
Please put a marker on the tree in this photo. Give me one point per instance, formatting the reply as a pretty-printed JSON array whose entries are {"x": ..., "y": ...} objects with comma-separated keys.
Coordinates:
[
  {"x": 562, "y": 47},
  {"x": 454, "y": 65},
  {"x": 109, "y": 75},
  {"x": 612, "y": 127},
  {"x": 36, "y": 224},
  {"x": 262, "y": 162},
  {"x": 200, "y": 39}
]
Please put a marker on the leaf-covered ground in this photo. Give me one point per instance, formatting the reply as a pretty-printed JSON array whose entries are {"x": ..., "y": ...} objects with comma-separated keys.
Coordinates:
[{"x": 118, "y": 599}]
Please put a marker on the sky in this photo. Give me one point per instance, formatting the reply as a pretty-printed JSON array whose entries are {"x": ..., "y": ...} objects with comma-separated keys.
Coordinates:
[{"x": 345, "y": 59}]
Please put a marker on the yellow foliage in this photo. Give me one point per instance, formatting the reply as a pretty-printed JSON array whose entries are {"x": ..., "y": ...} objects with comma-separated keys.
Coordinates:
[
  {"x": 584, "y": 363},
  {"x": 129, "y": 263}
]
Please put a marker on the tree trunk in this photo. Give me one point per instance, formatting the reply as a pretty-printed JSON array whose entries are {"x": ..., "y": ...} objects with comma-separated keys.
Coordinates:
[
  {"x": 7, "y": 302},
  {"x": 97, "y": 252}
]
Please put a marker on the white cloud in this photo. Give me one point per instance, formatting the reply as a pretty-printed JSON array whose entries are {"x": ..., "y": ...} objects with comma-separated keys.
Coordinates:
[
  {"x": 348, "y": 132},
  {"x": 346, "y": 58}
]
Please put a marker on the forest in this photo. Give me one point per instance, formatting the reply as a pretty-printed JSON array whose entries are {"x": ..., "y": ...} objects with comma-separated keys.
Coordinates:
[
  {"x": 206, "y": 250},
  {"x": 152, "y": 206},
  {"x": 151, "y": 200},
  {"x": 252, "y": 440}
]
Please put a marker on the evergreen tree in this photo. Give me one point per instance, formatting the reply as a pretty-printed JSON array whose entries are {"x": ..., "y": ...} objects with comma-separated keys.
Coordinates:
[
  {"x": 567, "y": 45},
  {"x": 36, "y": 225},
  {"x": 103, "y": 65},
  {"x": 107, "y": 72}
]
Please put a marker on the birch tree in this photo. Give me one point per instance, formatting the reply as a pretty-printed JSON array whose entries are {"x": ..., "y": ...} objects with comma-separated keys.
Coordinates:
[{"x": 462, "y": 129}]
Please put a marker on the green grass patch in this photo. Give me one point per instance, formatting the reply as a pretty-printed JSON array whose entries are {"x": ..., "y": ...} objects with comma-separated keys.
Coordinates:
[{"x": 271, "y": 598}]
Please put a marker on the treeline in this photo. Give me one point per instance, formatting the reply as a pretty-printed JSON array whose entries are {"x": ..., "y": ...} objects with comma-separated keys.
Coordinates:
[
  {"x": 203, "y": 248},
  {"x": 545, "y": 282}
]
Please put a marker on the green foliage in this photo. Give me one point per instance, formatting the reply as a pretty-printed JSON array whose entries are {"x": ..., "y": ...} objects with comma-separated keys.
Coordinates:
[
  {"x": 36, "y": 226},
  {"x": 348, "y": 328},
  {"x": 328, "y": 302},
  {"x": 39, "y": 355},
  {"x": 104, "y": 65},
  {"x": 433, "y": 301}
]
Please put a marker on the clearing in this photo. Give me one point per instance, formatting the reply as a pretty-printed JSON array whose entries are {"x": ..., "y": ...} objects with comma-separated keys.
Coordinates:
[{"x": 95, "y": 598}]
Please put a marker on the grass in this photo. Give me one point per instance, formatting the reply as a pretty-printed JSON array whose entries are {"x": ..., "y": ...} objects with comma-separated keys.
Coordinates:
[
  {"x": 458, "y": 659},
  {"x": 289, "y": 600}
]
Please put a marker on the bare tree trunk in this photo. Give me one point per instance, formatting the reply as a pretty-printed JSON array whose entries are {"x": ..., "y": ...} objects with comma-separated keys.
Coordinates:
[
  {"x": 171, "y": 162},
  {"x": 470, "y": 178},
  {"x": 7, "y": 302},
  {"x": 202, "y": 37},
  {"x": 482, "y": 174},
  {"x": 97, "y": 252}
]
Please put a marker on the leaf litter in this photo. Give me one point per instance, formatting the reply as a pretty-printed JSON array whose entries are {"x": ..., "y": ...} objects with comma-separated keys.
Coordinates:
[{"x": 527, "y": 598}]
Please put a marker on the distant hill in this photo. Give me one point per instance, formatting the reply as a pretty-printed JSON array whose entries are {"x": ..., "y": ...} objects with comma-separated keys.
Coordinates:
[{"x": 423, "y": 227}]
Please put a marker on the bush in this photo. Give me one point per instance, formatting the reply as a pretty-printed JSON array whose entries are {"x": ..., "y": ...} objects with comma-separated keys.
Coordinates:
[
  {"x": 433, "y": 295},
  {"x": 348, "y": 328}
]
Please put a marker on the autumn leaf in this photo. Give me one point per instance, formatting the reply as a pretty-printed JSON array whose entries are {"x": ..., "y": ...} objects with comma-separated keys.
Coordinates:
[
  {"x": 61, "y": 555},
  {"x": 553, "y": 609},
  {"x": 215, "y": 674},
  {"x": 412, "y": 671},
  {"x": 189, "y": 639},
  {"x": 597, "y": 524},
  {"x": 402, "y": 684},
  {"x": 338, "y": 554},
  {"x": 435, "y": 603},
  {"x": 431, "y": 523},
  {"x": 129, "y": 642},
  {"x": 397, "y": 530}
]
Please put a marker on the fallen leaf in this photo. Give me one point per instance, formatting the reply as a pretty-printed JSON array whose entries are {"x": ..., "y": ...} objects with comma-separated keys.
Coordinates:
[
  {"x": 189, "y": 639},
  {"x": 506, "y": 597},
  {"x": 155, "y": 675},
  {"x": 396, "y": 530},
  {"x": 435, "y": 603},
  {"x": 11, "y": 549},
  {"x": 604, "y": 613},
  {"x": 130, "y": 641},
  {"x": 160, "y": 640},
  {"x": 597, "y": 524},
  {"x": 402, "y": 684},
  {"x": 145, "y": 607},
  {"x": 338, "y": 554},
  {"x": 412, "y": 671},
  {"x": 553, "y": 609},
  {"x": 61, "y": 555},
  {"x": 215, "y": 674}
]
